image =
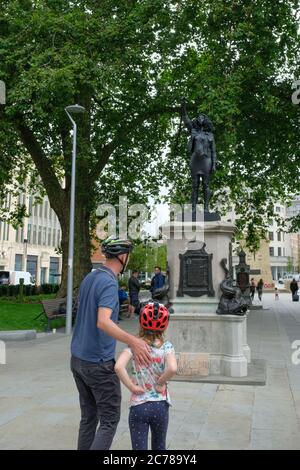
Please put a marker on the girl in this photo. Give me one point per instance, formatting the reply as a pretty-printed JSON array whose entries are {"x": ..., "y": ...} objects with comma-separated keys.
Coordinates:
[{"x": 150, "y": 399}]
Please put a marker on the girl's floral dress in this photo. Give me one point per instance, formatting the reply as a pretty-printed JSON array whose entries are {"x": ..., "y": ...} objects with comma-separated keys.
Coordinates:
[{"x": 147, "y": 376}]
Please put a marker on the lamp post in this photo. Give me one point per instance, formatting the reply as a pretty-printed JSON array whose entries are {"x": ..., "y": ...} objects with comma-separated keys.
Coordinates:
[
  {"x": 25, "y": 254},
  {"x": 74, "y": 109}
]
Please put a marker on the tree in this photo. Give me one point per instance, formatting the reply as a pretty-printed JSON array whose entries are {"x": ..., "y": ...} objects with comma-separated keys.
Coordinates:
[
  {"x": 128, "y": 63},
  {"x": 107, "y": 57},
  {"x": 246, "y": 68}
]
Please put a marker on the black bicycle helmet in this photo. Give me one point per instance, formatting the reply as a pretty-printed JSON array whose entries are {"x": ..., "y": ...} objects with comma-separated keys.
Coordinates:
[{"x": 113, "y": 247}]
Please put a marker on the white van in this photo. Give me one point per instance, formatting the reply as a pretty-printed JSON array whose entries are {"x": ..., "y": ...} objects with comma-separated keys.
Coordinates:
[{"x": 13, "y": 278}]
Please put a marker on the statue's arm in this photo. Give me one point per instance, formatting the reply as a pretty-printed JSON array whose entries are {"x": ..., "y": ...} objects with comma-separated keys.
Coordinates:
[
  {"x": 186, "y": 119},
  {"x": 213, "y": 154}
]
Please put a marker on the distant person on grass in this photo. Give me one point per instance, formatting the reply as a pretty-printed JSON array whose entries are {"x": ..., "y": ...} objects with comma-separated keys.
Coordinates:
[{"x": 93, "y": 348}]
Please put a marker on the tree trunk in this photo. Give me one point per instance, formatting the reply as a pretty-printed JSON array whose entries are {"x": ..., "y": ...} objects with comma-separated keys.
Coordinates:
[{"x": 82, "y": 249}]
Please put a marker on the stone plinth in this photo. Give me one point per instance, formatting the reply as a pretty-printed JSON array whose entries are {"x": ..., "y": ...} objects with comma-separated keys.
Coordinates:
[
  {"x": 222, "y": 336},
  {"x": 217, "y": 236},
  {"x": 195, "y": 327}
]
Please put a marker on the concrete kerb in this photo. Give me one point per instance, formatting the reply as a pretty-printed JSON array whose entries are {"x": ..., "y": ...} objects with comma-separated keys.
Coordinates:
[{"x": 18, "y": 335}]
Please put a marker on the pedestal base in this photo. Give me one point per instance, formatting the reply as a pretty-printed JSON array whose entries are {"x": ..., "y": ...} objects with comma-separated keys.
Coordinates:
[{"x": 222, "y": 336}]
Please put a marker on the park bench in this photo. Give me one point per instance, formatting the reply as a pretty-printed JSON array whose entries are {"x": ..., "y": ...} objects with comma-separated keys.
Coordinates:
[{"x": 56, "y": 308}]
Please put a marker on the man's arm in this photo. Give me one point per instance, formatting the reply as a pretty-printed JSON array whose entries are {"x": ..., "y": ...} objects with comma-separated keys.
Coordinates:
[{"x": 140, "y": 349}]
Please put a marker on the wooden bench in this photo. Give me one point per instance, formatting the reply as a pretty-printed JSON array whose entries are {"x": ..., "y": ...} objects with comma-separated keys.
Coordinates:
[{"x": 56, "y": 308}]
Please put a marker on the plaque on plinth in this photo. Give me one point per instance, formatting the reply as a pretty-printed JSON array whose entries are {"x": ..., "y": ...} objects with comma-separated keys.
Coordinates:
[{"x": 195, "y": 277}]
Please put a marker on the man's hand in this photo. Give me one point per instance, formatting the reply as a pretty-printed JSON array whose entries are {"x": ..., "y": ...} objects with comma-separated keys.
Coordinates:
[{"x": 141, "y": 352}]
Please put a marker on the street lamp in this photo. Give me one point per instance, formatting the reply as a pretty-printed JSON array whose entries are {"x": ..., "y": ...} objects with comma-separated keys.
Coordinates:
[{"x": 74, "y": 109}]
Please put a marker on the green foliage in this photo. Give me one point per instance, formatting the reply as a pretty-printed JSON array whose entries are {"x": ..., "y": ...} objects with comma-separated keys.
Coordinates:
[
  {"x": 128, "y": 63},
  {"x": 146, "y": 256}
]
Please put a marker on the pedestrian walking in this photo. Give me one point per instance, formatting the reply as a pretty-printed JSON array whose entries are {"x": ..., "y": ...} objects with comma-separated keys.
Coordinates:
[
  {"x": 93, "y": 348},
  {"x": 276, "y": 294},
  {"x": 252, "y": 288},
  {"x": 294, "y": 289},
  {"x": 134, "y": 287},
  {"x": 150, "y": 399},
  {"x": 260, "y": 286}
]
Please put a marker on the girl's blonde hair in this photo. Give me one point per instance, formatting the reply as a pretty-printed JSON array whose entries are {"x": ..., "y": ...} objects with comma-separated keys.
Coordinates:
[{"x": 151, "y": 338}]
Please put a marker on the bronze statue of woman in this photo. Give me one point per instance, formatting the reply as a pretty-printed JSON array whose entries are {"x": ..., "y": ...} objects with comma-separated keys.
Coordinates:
[{"x": 203, "y": 159}]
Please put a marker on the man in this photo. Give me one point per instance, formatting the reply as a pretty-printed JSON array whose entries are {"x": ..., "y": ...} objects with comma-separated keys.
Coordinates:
[
  {"x": 252, "y": 288},
  {"x": 294, "y": 288},
  {"x": 134, "y": 287},
  {"x": 93, "y": 348},
  {"x": 259, "y": 288},
  {"x": 158, "y": 280}
]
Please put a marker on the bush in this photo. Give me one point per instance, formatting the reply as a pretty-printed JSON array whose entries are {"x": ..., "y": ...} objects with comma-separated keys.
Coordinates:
[
  {"x": 13, "y": 291},
  {"x": 46, "y": 288}
]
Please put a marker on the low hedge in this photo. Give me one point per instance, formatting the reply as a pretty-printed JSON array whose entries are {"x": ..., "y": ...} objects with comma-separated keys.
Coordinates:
[{"x": 13, "y": 291}]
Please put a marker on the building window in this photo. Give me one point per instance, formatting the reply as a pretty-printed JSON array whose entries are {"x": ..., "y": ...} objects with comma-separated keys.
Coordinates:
[
  {"x": 40, "y": 236},
  {"x": 58, "y": 237},
  {"x": 271, "y": 236},
  {"x": 30, "y": 205},
  {"x": 279, "y": 236},
  {"x": 40, "y": 210},
  {"x": 44, "y": 235},
  {"x": 271, "y": 251},
  {"x": 54, "y": 277},
  {"x": 18, "y": 262},
  {"x": 46, "y": 210},
  {"x": 277, "y": 209},
  {"x": 32, "y": 265},
  {"x": 49, "y": 236},
  {"x": 29, "y": 228},
  {"x": 34, "y": 235},
  {"x": 43, "y": 275},
  {"x": 54, "y": 237},
  {"x": 17, "y": 235},
  {"x": 279, "y": 251}
]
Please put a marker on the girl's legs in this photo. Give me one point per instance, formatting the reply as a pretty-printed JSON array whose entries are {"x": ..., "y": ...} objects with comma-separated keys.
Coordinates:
[
  {"x": 159, "y": 421},
  {"x": 139, "y": 426}
]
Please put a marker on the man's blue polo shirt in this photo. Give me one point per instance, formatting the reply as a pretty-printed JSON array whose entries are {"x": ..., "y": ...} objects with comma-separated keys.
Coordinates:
[{"x": 98, "y": 289}]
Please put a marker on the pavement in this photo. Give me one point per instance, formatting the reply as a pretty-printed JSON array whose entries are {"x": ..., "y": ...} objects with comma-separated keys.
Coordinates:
[{"x": 39, "y": 402}]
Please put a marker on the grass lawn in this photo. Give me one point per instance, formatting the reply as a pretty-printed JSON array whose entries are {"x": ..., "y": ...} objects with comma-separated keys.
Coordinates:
[{"x": 20, "y": 316}]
